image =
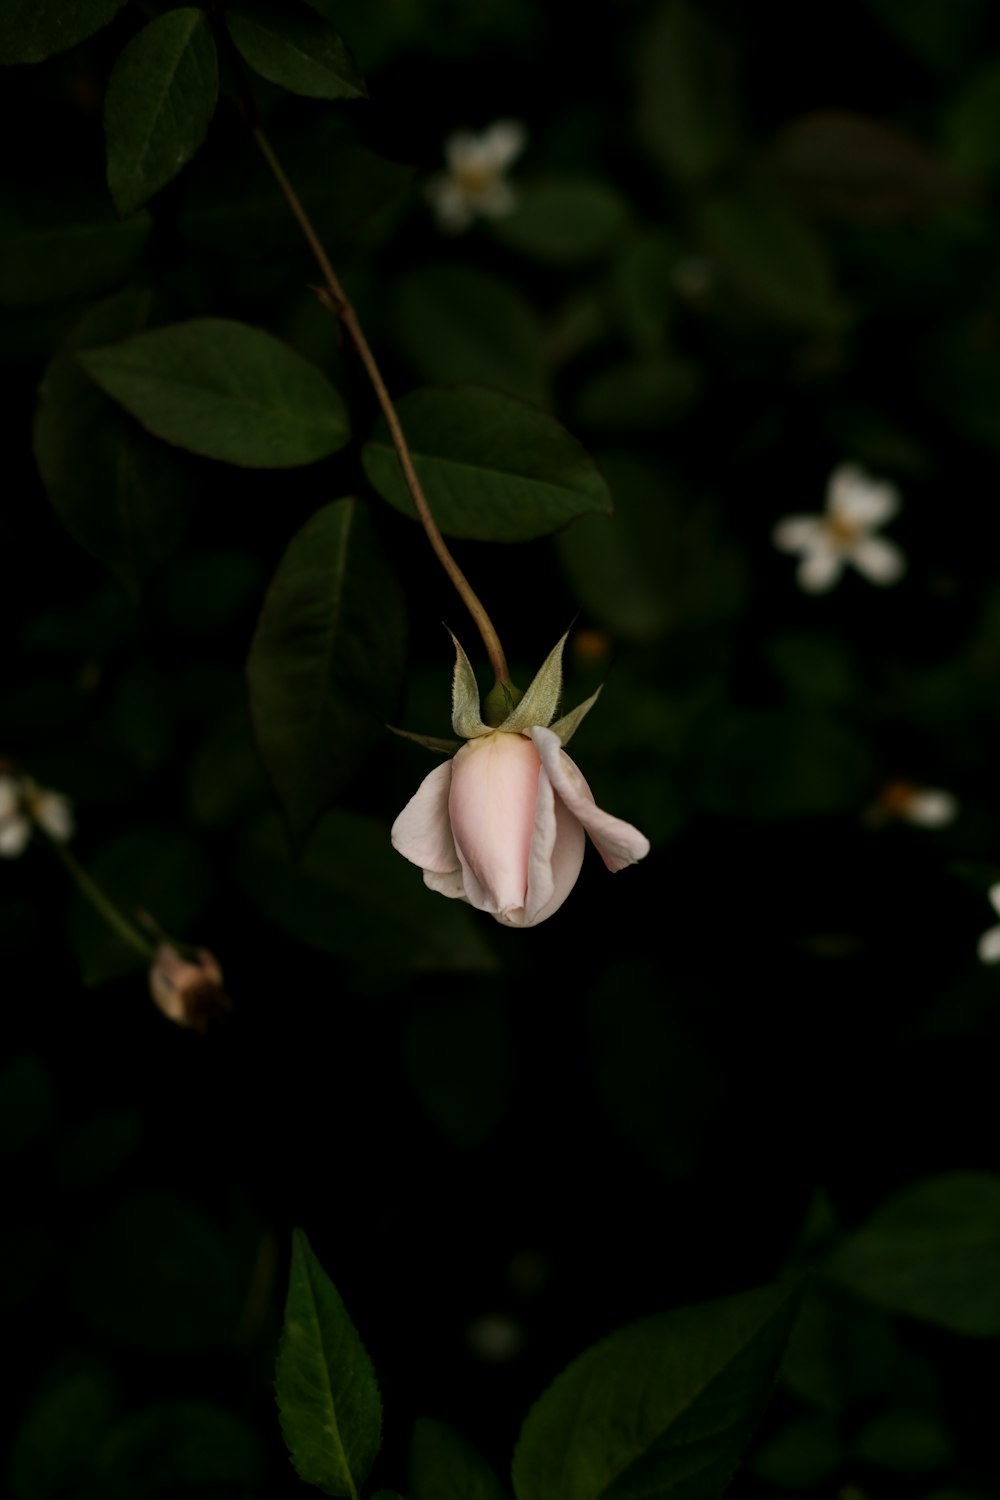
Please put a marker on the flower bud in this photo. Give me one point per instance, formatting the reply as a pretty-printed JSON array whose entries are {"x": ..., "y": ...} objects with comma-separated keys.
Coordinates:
[{"x": 188, "y": 993}]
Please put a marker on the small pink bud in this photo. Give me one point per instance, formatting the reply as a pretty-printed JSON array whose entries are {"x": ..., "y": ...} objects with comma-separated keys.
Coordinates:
[{"x": 188, "y": 993}]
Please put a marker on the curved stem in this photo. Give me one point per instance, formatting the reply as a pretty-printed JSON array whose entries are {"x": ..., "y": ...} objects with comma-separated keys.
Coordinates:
[
  {"x": 102, "y": 904},
  {"x": 333, "y": 296}
]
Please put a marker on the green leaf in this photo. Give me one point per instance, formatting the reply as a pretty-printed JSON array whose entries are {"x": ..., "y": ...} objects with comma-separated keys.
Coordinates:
[
  {"x": 224, "y": 390},
  {"x": 179, "y": 1446},
  {"x": 57, "y": 1438},
  {"x": 801, "y": 1455},
  {"x": 445, "y": 1466},
  {"x": 119, "y": 494},
  {"x": 662, "y": 1407},
  {"x": 493, "y": 469},
  {"x": 563, "y": 221},
  {"x": 939, "y": 32},
  {"x": 159, "y": 103},
  {"x": 352, "y": 895},
  {"x": 294, "y": 48},
  {"x": 77, "y": 248},
  {"x": 639, "y": 395},
  {"x": 459, "y": 1059},
  {"x": 32, "y": 30},
  {"x": 456, "y": 323},
  {"x": 784, "y": 764},
  {"x": 972, "y": 122},
  {"x": 158, "y": 1275},
  {"x": 933, "y": 1252},
  {"x": 688, "y": 117},
  {"x": 328, "y": 1398},
  {"x": 326, "y": 662},
  {"x": 908, "y": 1441},
  {"x": 642, "y": 289}
]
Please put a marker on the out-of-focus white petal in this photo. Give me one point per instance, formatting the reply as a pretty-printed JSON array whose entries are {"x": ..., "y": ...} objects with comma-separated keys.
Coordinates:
[
  {"x": 879, "y": 560},
  {"x": 497, "y": 201},
  {"x": 450, "y": 204},
  {"x": 858, "y": 500},
  {"x": 494, "y": 791},
  {"x": 994, "y": 896},
  {"x": 53, "y": 813},
  {"x": 10, "y": 797},
  {"x": 14, "y": 835},
  {"x": 422, "y": 832},
  {"x": 989, "y": 946},
  {"x": 618, "y": 843},
  {"x": 503, "y": 142},
  {"x": 462, "y": 151},
  {"x": 451, "y": 884},
  {"x": 798, "y": 533},
  {"x": 931, "y": 807},
  {"x": 556, "y": 856},
  {"x": 819, "y": 570}
]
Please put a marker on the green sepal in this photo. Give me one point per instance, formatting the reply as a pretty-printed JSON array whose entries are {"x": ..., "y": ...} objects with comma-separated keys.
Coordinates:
[
  {"x": 429, "y": 741},
  {"x": 500, "y": 702},
  {"x": 539, "y": 704},
  {"x": 567, "y": 726},
  {"x": 465, "y": 714}
]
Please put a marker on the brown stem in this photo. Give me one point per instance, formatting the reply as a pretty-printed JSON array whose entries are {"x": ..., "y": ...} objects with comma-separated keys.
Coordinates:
[{"x": 333, "y": 296}]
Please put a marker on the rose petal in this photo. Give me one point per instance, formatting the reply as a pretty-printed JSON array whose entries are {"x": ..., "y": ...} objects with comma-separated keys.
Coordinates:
[
  {"x": 422, "y": 832},
  {"x": 618, "y": 843},
  {"x": 450, "y": 885},
  {"x": 556, "y": 856},
  {"x": 494, "y": 789}
]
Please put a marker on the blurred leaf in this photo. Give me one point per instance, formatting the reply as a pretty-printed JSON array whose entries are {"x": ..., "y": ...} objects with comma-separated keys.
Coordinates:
[
  {"x": 158, "y": 1275},
  {"x": 664, "y": 1406},
  {"x": 29, "y": 1260},
  {"x": 159, "y": 103},
  {"x": 841, "y": 1351},
  {"x": 93, "y": 1152},
  {"x": 639, "y": 395},
  {"x": 224, "y": 390},
  {"x": 939, "y": 32},
  {"x": 660, "y": 1086},
  {"x": 326, "y": 662},
  {"x": 193, "y": 1445},
  {"x": 816, "y": 671},
  {"x": 25, "y": 1103},
  {"x": 909, "y": 1441},
  {"x": 32, "y": 30},
  {"x": 157, "y": 869},
  {"x": 242, "y": 214},
  {"x": 117, "y": 493},
  {"x": 563, "y": 221},
  {"x": 799, "y": 1456},
  {"x": 459, "y": 1058},
  {"x": 688, "y": 114},
  {"x": 792, "y": 764},
  {"x": 140, "y": 720},
  {"x": 659, "y": 562},
  {"x": 494, "y": 469},
  {"x": 961, "y": 372},
  {"x": 768, "y": 257},
  {"x": 351, "y": 894},
  {"x": 456, "y": 323},
  {"x": 294, "y": 48},
  {"x": 972, "y": 122},
  {"x": 208, "y": 589},
  {"x": 931, "y": 1251},
  {"x": 54, "y": 1447},
  {"x": 226, "y": 780},
  {"x": 83, "y": 251},
  {"x": 642, "y": 289},
  {"x": 445, "y": 1466},
  {"x": 328, "y": 1397}
]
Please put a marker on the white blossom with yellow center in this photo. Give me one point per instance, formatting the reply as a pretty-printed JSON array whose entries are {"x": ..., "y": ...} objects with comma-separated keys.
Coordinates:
[
  {"x": 22, "y": 805},
  {"x": 474, "y": 184},
  {"x": 855, "y": 505}
]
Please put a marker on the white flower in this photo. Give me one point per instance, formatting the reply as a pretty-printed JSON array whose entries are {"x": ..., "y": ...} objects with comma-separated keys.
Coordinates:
[
  {"x": 989, "y": 943},
  {"x": 474, "y": 182},
  {"x": 923, "y": 806},
  {"x": 22, "y": 804},
  {"x": 855, "y": 505}
]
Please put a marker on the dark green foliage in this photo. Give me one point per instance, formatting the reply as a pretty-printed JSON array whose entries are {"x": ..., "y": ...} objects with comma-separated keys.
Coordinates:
[{"x": 293, "y": 47}]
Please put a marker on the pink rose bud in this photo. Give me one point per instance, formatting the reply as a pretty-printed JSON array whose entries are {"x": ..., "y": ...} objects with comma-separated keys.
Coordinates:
[
  {"x": 502, "y": 826},
  {"x": 188, "y": 993}
]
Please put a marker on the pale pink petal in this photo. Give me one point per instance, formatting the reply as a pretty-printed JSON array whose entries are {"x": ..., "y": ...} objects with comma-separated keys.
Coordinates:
[
  {"x": 494, "y": 789},
  {"x": 618, "y": 843},
  {"x": 819, "y": 570},
  {"x": 931, "y": 808},
  {"x": 880, "y": 561},
  {"x": 857, "y": 499},
  {"x": 556, "y": 856},
  {"x": 451, "y": 885},
  {"x": 422, "y": 832},
  {"x": 14, "y": 835},
  {"x": 989, "y": 946},
  {"x": 798, "y": 533}
]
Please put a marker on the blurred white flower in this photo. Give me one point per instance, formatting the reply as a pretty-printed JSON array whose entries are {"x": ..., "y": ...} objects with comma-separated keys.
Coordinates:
[
  {"x": 474, "y": 183},
  {"x": 855, "y": 505},
  {"x": 923, "y": 806},
  {"x": 23, "y": 804},
  {"x": 989, "y": 943}
]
